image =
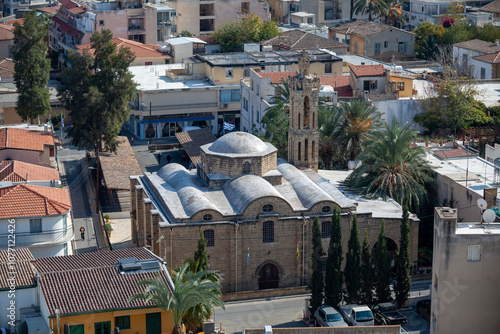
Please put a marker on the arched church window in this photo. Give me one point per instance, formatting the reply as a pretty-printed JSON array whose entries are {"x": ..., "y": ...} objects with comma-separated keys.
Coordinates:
[{"x": 246, "y": 168}]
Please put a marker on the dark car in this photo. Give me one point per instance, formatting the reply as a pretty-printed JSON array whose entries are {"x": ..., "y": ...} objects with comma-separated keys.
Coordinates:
[
  {"x": 424, "y": 308},
  {"x": 386, "y": 314}
]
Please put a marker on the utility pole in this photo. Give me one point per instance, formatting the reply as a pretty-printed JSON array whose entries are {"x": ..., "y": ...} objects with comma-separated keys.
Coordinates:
[{"x": 150, "y": 124}]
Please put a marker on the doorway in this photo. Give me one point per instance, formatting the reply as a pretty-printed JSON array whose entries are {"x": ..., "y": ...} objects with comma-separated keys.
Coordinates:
[
  {"x": 268, "y": 277},
  {"x": 153, "y": 323}
]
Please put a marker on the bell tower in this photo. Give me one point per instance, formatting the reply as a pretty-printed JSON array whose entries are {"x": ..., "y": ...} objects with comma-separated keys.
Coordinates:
[{"x": 303, "y": 135}]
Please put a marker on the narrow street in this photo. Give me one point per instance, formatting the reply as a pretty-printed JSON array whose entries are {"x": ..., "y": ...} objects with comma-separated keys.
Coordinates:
[{"x": 72, "y": 176}]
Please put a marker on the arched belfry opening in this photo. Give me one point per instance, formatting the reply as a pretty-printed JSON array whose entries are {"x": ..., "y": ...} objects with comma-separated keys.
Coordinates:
[
  {"x": 306, "y": 112},
  {"x": 303, "y": 133}
]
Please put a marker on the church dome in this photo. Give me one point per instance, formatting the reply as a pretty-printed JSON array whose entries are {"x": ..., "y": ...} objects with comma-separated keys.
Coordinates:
[{"x": 238, "y": 143}]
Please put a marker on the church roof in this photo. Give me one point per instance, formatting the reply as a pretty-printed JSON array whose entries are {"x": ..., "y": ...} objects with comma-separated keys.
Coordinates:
[
  {"x": 238, "y": 143},
  {"x": 179, "y": 193}
]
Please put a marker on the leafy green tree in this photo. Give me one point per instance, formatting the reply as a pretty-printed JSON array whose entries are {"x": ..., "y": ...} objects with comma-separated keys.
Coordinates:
[
  {"x": 352, "y": 271},
  {"x": 200, "y": 255},
  {"x": 454, "y": 107},
  {"x": 316, "y": 284},
  {"x": 459, "y": 32},
  {"x": 190, "y": 290},
  {"x": 366, "y": 295},
  {"x": 250, "y": 29},
  {"x": 403, "y": 281},
  {"x": 31, "y": 66},
  {"x": 428, "y": 38},
  {"x": 360, "y": 119},
  {"x": 392, "y": 168},
  {"x": 96, "y": 93},
  {"x": 372, "y": 7},
  {"x": 382, "y": 268},
  {"x": 488, "y": 32},
  {"x": 334, "y": 276},
  {"x": 185, "y": 33}
]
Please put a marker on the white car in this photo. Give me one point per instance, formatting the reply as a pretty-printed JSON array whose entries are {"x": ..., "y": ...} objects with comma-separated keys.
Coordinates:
[{"x": 327, "y": 316}]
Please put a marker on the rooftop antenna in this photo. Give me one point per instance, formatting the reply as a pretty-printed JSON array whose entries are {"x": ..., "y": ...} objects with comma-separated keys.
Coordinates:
[{"x": 489, "y": 216}]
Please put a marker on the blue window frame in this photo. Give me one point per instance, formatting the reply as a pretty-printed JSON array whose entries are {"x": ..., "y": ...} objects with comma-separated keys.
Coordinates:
[
  {"x": 230, "y": 95},
  {"x": 377, "y": 48}
]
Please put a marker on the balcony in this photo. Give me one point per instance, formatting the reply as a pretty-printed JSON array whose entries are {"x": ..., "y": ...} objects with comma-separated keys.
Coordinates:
[{"x": 38, "y": 239}]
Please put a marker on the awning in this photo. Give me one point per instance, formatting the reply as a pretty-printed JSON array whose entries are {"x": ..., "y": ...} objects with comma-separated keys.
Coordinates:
[{"x": 63, "y": 26}]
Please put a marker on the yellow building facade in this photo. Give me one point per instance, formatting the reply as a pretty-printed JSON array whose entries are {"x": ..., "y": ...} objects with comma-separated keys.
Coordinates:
[
  {"x": 130, "y": 321},
  {"x": 404, "y": 84}
]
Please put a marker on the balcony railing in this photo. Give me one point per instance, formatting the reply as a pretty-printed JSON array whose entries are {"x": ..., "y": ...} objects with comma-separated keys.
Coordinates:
[{"x": 37, "y": 239}]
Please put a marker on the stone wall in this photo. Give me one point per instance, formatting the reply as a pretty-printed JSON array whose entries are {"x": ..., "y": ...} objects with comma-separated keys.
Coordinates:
[{"x": 328, "y": 330}]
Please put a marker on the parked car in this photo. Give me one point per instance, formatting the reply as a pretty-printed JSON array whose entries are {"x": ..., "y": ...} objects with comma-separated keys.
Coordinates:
[
  {"x": 386, "y": 314},
  {"x": 424, "y": 309},
  {"x": 357, "y": 315},
  {"x": 327, "y": 316}
]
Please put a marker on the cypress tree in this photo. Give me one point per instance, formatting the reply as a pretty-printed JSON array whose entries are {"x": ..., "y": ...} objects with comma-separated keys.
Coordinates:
[
  {"x": 382, "y": 268},
  {"x": 334, "y": 276},
  {"x": 316, "y": 284},
  {"x": 200, "y": 254},
  {"x": 366, "y": 273},
  {"x": 31, "y": 66},
  {"x": 403, "y": 283},
  {"x": 352, "y": 267}
]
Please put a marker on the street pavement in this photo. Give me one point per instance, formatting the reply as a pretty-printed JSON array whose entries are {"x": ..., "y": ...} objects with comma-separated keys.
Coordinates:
[
  {"x": 288, "y": 312},
  {"x": 72, "y": 176}
]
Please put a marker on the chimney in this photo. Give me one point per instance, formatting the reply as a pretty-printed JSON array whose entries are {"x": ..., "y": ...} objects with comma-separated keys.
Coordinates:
[{"x": 497, "y": 42}]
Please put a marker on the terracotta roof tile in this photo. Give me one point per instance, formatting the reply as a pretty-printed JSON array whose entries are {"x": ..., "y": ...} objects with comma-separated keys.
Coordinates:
[
  {"x": 91, "y": 282},
  {"x": 139, "y": 49},
  {"x": 363, "y": 28},
  {"x": 118, "y": 178},
  {"x": 20, "y": 21},
  {"x": 493, "y": 58},
  {"x": 19, "y": 171},
  {"x": 451, "y": 153},
  {"x": 26, "y": 200},
  {"x": 76, "y": 10},
  {"x": 6, "y": 68},
  {"x": 479, "y": 46},
  {"x": 25, "y": 139},
  {"x": 6, "y": 32},
  {"x": 23, "y": 269},
  {"x": 340, "y": 83},
  {"x": 50, "y": 9},
  {"x": 301, "y": 40},
  {"x": 276, "y": 76},
  {"x": 492, "y": 7},
  {"x": 68, "y": 3},
  {"x": 368, "y": 70},
  {"x": 191, "y": 142}
]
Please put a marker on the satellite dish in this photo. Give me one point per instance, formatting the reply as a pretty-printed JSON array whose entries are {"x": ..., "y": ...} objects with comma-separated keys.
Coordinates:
[
  {"x": 489, "y": 216},
  {"x": 481, "y": 203}
]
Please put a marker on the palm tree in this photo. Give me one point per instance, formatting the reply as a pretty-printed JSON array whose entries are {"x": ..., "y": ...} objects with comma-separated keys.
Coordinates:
[
  {"x": 393, "y": 167},
  {"x": 394, "y": 13},
  {"x": 282, "y": 92},
  {"x": 330, "y": 129},
  {"x": 359, "y": 120},
  {"x": 376, "y": 7},
  {"x": 194, "y": 318},
  {"x": 190, "y": 290}
]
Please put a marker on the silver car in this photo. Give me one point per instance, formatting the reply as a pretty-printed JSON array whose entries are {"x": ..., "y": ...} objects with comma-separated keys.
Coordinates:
[{"x": 327, "y": 316}]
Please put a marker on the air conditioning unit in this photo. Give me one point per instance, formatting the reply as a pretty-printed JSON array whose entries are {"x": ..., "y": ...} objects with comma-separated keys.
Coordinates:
[{"x": 224, "y": 105}]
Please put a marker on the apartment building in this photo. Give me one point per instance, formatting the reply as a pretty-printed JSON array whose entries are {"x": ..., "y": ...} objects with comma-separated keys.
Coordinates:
[
  {"x": 10, "y": 7},
  {"x": 203, "y": 17},
  {"x": 465, "y": 274},
  {"x": 432, "y": 10}
]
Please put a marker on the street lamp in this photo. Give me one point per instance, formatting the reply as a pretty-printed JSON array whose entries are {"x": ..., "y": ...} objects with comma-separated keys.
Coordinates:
[{"x": 150, "y": 130}]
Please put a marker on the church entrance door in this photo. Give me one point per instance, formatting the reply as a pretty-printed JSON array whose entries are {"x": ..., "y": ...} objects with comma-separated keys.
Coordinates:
[{"x": 268, "y": 277}]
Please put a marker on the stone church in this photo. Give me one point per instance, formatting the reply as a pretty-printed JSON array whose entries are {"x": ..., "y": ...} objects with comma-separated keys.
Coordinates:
[{"x": 255, "y": 210}]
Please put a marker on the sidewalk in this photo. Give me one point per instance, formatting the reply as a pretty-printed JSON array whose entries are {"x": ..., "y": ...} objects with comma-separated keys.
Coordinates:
[{"x": 89, "y": 244}]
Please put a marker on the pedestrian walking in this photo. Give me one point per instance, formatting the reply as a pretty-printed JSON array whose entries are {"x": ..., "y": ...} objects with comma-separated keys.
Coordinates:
[
  {"x": 82, "y": 231},
  {"x": 159, "y": 158},
  {"x": 169, "y": 158}
]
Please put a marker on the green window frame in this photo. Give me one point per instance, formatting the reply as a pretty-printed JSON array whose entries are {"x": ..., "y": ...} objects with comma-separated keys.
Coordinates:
[
  {"x": 102, "y": 327},
  {"x": 123, "y": 322},
  {"x": 35, "y": 225}
]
